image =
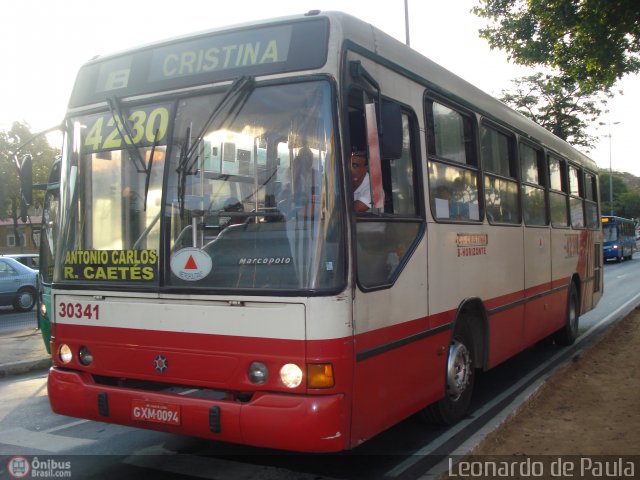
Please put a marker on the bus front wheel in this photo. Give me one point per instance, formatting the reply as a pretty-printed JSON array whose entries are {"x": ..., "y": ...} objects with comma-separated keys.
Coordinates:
[{"x": 460, "y": 379}]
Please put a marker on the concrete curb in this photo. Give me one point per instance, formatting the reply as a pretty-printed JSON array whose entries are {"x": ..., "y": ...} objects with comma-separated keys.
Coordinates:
[{"x": 24, "y": 366}]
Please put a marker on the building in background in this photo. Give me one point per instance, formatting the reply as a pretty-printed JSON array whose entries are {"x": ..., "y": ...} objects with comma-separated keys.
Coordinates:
[{"x": 23, "y": 238}]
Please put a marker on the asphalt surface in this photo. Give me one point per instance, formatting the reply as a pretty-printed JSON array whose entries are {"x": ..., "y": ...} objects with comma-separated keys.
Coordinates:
[{"x": 22, "y": 351}]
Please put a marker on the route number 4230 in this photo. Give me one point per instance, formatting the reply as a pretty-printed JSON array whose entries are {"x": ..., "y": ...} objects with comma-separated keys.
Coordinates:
[
  {"x": 146, "y": 127},
  {"x": 78, "y": 310}
]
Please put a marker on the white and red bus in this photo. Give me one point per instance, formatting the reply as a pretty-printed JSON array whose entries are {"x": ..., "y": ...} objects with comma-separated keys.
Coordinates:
[{"x": 212, "y": 278}]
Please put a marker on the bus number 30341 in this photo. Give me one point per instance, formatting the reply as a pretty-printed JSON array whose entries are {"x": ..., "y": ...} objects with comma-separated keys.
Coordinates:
[{"x": 79, "y": 310}]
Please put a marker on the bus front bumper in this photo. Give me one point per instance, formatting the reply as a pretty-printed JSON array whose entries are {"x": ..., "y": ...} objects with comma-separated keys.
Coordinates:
[
  {"x": 612, "y": 254},
  {"x": 280, "y": 421}
]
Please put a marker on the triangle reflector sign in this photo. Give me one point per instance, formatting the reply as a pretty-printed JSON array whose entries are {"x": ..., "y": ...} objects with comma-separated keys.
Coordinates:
[{"x": 191, "y": 264}]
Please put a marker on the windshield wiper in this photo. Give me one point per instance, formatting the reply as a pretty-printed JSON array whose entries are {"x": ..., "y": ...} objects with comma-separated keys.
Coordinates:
[
  {"x": 148, "y": 168},
  {"x": 239, "y": 89},
  {"x": 234, "y": 98},
  {"x": 182, "y": 173},
  {"x": 134, "y": 152},
  {"x": 120, "y": 122}
]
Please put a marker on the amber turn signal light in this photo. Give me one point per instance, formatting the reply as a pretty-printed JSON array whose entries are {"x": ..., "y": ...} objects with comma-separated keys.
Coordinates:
[{"x": 320, "y": 375}]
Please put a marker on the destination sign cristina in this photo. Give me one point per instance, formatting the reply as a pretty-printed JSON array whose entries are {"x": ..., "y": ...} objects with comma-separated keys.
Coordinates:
[
  {"x": 207, "y": 58},
  {"x": 269, "y": 45}
]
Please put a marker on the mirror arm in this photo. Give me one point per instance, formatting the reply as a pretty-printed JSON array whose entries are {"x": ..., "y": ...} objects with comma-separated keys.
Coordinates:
[{"x": 358, "y": 71}]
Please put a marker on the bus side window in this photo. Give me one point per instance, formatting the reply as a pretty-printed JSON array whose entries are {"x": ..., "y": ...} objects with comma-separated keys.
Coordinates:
[
  {"x": 591, "y": 201},
  {"x": 558, "y": 192},
  {"x": 576, "y": 191},
  {"x": 533, "y": 186},
  {"x": 453, "y": 166},
  {"x": 500, "y": 180}
]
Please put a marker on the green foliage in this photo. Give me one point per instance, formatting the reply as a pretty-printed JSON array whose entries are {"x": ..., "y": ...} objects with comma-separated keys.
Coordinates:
[
  {"x": 626, "y": 194},
  {"x": 628, "y": 204},
  {"x": 619, "y": 188},
  {"x": 592, "y": 42},
  {"x": 558, "y": 104},
  {"x": 43, "y": 157}
]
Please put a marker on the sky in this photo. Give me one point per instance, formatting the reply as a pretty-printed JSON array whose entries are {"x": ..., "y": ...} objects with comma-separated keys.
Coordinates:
[{"x": 43, "y": 43}]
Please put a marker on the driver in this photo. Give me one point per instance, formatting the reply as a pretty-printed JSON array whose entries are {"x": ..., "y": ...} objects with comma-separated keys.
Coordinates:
[{"x": 233, "y": 205}]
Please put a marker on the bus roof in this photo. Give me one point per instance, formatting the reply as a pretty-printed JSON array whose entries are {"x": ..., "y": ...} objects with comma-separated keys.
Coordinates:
[
  {"x": 397, "y": 55},
  {"x": 441, "y": 80}
]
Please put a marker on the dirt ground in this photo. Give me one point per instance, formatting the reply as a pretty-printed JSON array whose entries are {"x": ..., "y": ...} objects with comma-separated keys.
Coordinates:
[{"x": 591, "y": 407}]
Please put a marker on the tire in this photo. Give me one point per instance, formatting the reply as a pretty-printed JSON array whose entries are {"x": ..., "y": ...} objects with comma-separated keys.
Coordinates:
[
  {"x": 460, "y": 376},
  {"x": 25, "y": 300},
  {"x": 568, "y": 334}
]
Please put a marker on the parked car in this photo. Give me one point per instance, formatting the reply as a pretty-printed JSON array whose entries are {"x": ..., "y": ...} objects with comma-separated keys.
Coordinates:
[
  {"x": 31, "y": 260},
  {"x": 17, "y": 284}
]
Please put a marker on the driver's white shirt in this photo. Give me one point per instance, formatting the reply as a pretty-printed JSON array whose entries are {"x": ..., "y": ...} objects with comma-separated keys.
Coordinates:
[{"x": 363, "y": 192}]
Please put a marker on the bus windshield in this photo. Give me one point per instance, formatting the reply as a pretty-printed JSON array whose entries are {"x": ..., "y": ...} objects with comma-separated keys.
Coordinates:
[
  {"x": 228, "y": 190},
  {"x": 610, "y": 232}
]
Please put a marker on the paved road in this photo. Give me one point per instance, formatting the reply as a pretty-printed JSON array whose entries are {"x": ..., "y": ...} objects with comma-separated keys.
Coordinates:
[{"x": 12, "y": 320}]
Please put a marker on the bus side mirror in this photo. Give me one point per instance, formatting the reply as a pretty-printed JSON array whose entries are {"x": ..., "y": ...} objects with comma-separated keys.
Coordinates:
[
  {"x": 26, "y": 186},
  {"x": 391, "y": 130},
  {"x": 26, "y": 180}
]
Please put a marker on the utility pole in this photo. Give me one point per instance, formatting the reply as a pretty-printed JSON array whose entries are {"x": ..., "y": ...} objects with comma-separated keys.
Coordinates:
[
  {"x": 610, "y": 167},
  {"x": 406, "y": 22}
]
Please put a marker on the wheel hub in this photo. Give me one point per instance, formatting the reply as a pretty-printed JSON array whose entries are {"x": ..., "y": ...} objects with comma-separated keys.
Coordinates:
[{"x": 459, "y": 368}]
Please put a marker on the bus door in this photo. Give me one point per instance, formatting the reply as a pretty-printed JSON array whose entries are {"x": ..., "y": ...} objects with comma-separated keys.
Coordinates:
[{"x": 390, "y": 274}]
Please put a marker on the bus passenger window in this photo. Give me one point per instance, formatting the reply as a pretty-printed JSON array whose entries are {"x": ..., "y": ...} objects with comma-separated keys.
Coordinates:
[
  {"x": 576, "y": 192},
  {"x": 453, "y": 172},
  {"x": 591, "y": 201},
  {"x": 454, "y": 192},
  {"x": 557, "y": 192},
  {"x": 533, "y": 191},
  {"x": 500, "y": 181}
]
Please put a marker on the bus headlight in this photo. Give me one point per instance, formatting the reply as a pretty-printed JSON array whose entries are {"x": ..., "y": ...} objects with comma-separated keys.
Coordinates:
[
  {"x": 85, "y": 356},
  {"x": 291, "y": 375},
  {"x": 258, "y": 373},
  {"x": 64, "y": 353},
  {"x": 43, "y": 310}
]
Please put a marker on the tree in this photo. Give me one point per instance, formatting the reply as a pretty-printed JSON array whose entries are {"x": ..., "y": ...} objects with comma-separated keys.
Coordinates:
[
  {"x": 592, "y": 42},
  {"x": 619, "y": 190},
  {"x": 557, "y": 104},
  {"x": 43, "y": 157},
  {"x": 628, "y": 204}
]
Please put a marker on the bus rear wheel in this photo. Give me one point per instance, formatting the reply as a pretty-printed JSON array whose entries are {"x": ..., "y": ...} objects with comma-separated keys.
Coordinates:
[
  {"x": 460, "y": 379},
  {"x": 568, "y": 334}
]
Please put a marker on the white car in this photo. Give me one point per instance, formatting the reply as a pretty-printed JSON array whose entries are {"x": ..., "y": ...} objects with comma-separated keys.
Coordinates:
[{"x": 31, "y": 260}]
